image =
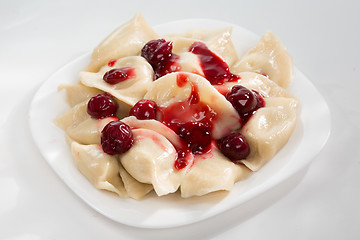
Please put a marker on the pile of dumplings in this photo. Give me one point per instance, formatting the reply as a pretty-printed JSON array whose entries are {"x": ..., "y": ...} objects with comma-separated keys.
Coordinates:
[{"x": 149, "y": 165}]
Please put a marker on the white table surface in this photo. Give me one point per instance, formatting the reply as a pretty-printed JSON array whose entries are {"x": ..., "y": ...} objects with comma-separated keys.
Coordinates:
[{"x": 320, "y": 202}]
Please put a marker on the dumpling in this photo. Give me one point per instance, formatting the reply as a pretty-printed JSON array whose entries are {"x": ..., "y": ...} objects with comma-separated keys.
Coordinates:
[
  {"x": 212, "y": 172},
  {"x": 125, "y": 41},
  {"x": 134, "y": 188},
  {"x": 73, "y": 116},
  {"x": 267, "y": 131},
  {"x": 79, "y": 126},
  {"x": 180, "y": 86},
  {"x": 190, "y": 63},
  {"x": 257, "y": 82},
  {"x": 281, "y": 102},
  {"x": 181, "y": 44},
  {"x": 268, "y": 57},
  {"x": 77, "y": 93},
  {"x": 151, "y": 160},
  {"x": 218, "y": 41},
  {"x": 158, "y": 127},
  {"x": 129, "y": 91},
  {"x": 89, "y": 130},
  {"x": 101, "y": 169},
  {"x": 221, "y": 44}
]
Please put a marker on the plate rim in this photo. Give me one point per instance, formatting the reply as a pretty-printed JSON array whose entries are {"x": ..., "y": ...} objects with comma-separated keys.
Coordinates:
[{"x": 276, "y": 178}]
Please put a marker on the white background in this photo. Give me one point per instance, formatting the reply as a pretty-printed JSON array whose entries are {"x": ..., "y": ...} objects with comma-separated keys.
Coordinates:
[{"x": 320, "y": 202}]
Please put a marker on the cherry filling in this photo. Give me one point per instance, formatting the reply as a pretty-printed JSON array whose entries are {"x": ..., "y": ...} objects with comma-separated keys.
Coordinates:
[
  {"x": 159, "y": 54},
  {"x": 215, "y": 69},
  {"x": 144, "y": 109},
  {"x": 117, "y": 75},
  {"x": 245, "y": 101},
  {"x": 116, "y": 138},
  {"x": 101, "y": 106}
]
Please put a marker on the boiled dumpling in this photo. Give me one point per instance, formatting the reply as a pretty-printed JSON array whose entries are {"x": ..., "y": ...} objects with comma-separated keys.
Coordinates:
[
  {"x": 127, "y": 40},
  {"x": 77, "y": 93},
  {"x": 89, "y": 130},
  {"x": 73, "y": 116},
  {"x": 259, "y": 83},
  {"x": 212, "y": 172},
  {"x": 218, "y": 41},
  {"x": 267, "y": 131},
  {"x": 158, "y": 127},
  {"x": 189, "y": 62},
  {"x": 281, "y": 102},
  {"x": 167, "y": 90},
  {"x": 268, "y": 57},
  {"x": 151, "y": 160},
  {"x": 129, "y": 91},
  {"x": 101, "y": 169},
  {"x": 222, "y": 45},
  {"x": 134, "y": 188}
]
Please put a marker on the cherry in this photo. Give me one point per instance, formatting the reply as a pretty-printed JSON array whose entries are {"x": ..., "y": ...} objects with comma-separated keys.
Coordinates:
[
  {"x": 156, "y": 51},
  {"x": 196, "y": 135},
  {"x": 159, "y": 54},
  {"x": 234, "y": 146},
  {"x": 144, "y": 109},
  {"x": 101, "y": 106},
  {"x": 116, "y": 138},
  {"x": 242, "y": 99},
  {"x": 117, "y": 75}
]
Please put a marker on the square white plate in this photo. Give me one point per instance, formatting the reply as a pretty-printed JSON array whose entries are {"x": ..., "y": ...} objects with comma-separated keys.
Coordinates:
[{"x": 310, "y": 135}]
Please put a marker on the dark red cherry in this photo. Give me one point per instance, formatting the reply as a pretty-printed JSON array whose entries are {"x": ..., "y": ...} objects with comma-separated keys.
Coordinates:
[
  {"x": 101, "y": 106},
  {"x": 159, "y": 54},
  {"x": 116, "y": 138},
  {"x": 117, "y": 75},
  {"x": 156, "y": 51},
  {"x": 196, "y": 135},
  {"x": 144, "y": 109},
  {"x": 242, "y": 99},
  {"x": 234, "y": 146}
]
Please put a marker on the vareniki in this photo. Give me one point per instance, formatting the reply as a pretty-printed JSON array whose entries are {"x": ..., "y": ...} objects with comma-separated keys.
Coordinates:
[{"x": 179, "y": 112}]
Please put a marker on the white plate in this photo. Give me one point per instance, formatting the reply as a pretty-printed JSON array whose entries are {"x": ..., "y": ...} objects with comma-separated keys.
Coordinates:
[{"x": 310, "y": 135}]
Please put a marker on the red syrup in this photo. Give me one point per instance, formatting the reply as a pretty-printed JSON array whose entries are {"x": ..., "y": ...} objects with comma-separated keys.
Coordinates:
[
  {"x": 215, "y": 69},
  {"x": 112, "y": 62},
  {"x": 191, "y": 119},
  {"x": 182, "y": 159}
]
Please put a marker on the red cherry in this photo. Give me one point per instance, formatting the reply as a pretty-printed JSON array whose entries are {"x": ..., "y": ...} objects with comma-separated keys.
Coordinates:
[
  {"x": 242, "y": 99},
  {"x": 196, "y": 135},
  {"x": 159, "y": 54},
  {"x": 156, "y": 51},
  {"x": 144, "y": 109},
  {"x": 101, "y": 106},
  {"x": 117, "y": 75},
  {"x": 234, "y": 146},
  {"x": 116, "y": 138}
]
